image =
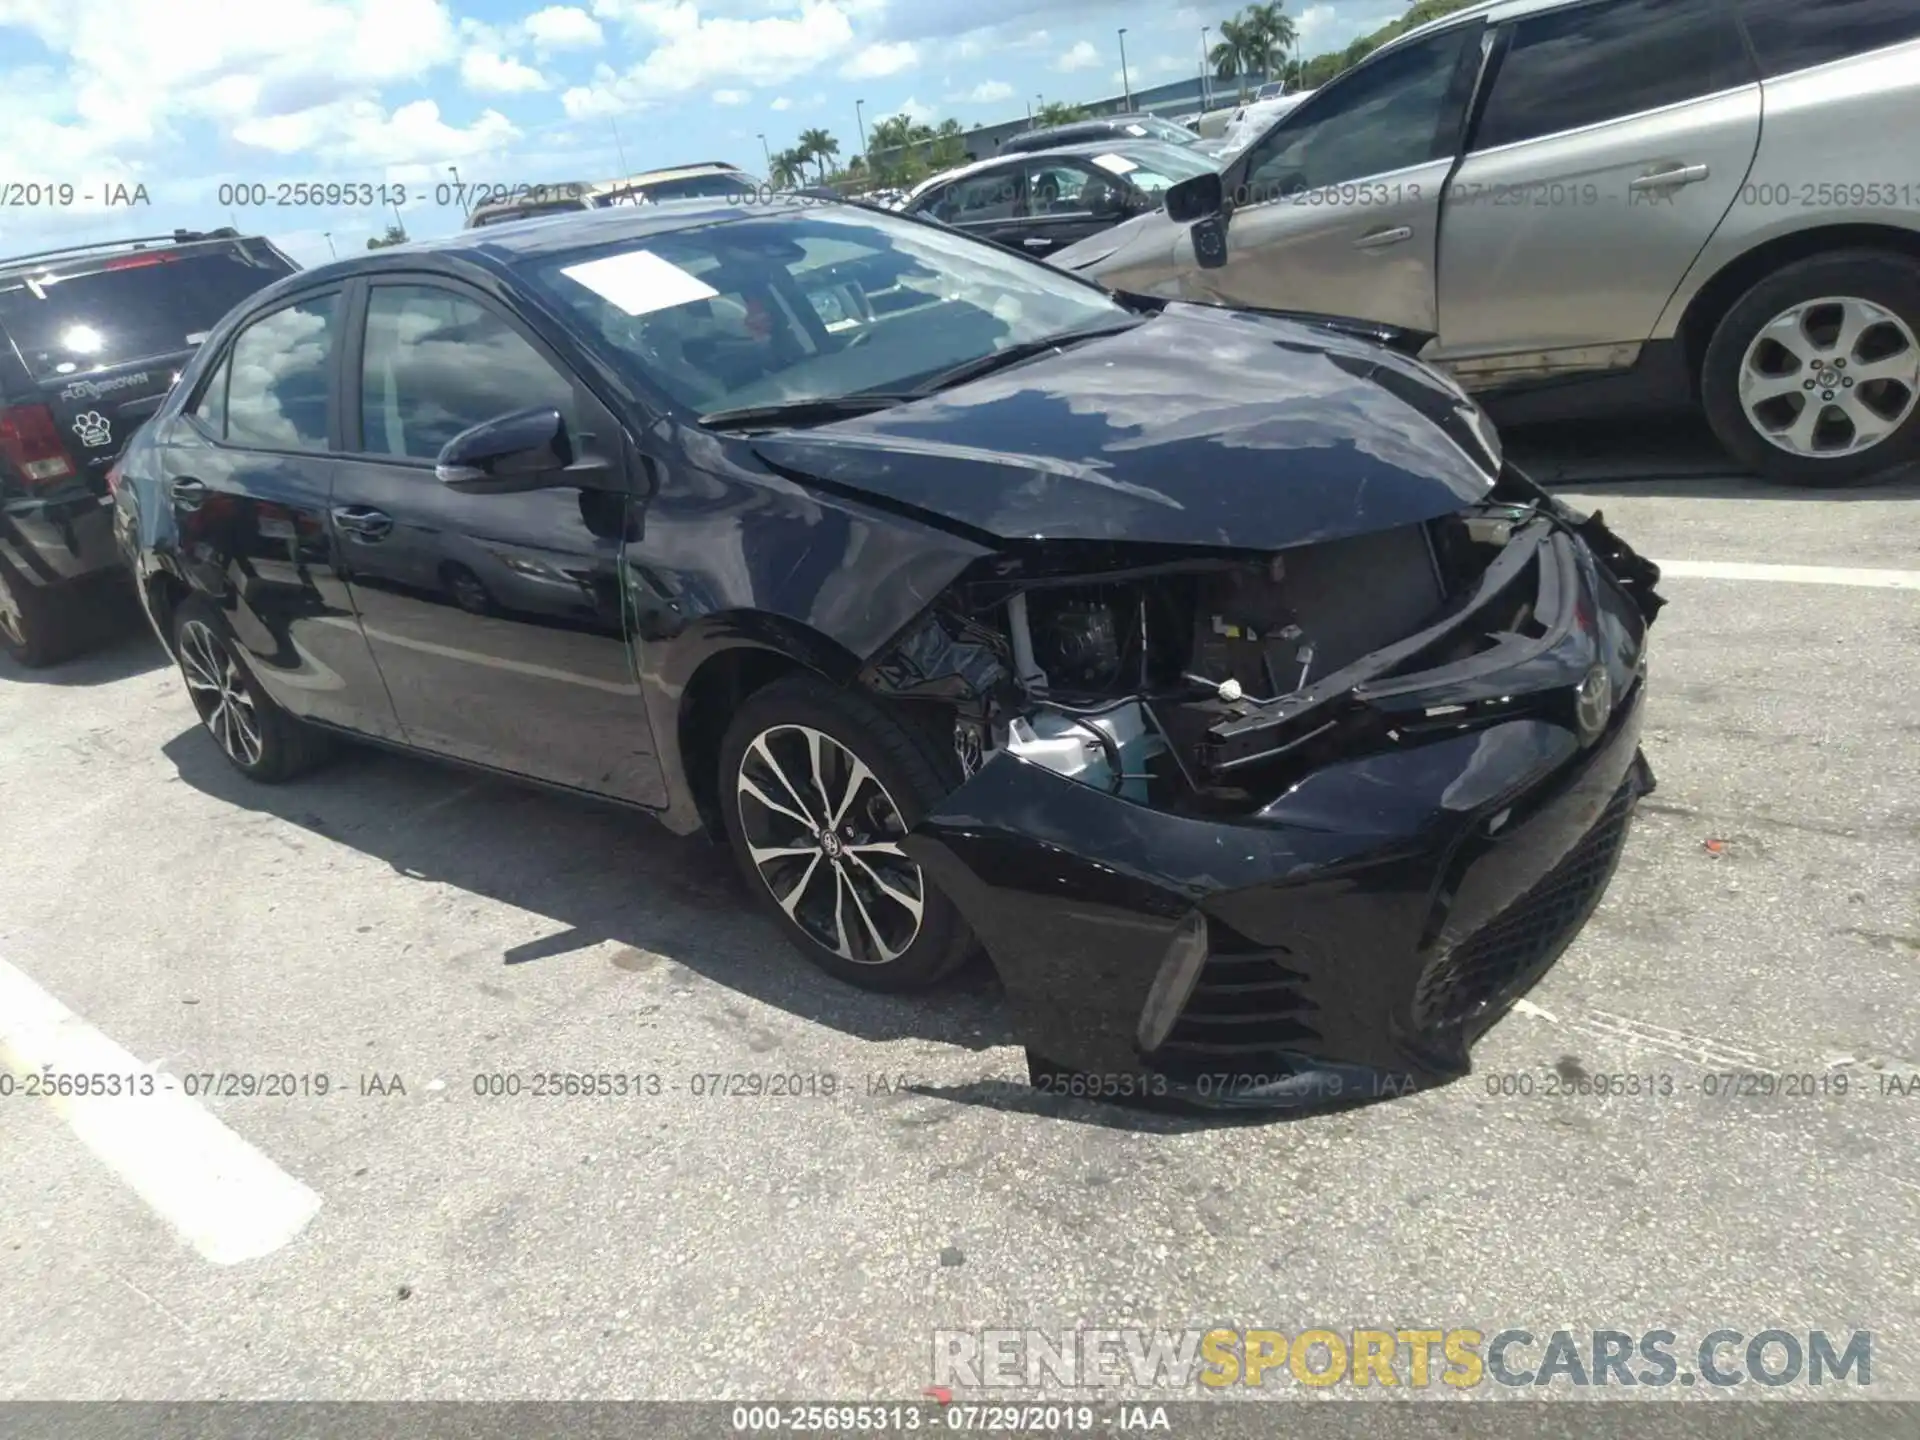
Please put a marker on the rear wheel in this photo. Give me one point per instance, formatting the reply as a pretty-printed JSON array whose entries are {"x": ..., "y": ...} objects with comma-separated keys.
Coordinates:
[
  {"x": 259, "y": 739},
  {"x": 818, "y": 787},
  {"x": 34, "y": 628},
  {"x": 1813, "y": 377}
]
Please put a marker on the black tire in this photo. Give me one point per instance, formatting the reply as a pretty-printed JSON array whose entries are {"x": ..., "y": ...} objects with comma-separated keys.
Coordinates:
[
  {"x": 271, "y": 745},
  {"x": 35, "y": 628},
  {"x": 468, "y": 590},
  {"x": 1889, "y": 281},
  {"x": 911, "y": 773}
]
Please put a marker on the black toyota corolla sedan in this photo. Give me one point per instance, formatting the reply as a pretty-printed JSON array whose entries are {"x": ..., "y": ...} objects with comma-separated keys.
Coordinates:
[{"x": 1207, "y": 668}]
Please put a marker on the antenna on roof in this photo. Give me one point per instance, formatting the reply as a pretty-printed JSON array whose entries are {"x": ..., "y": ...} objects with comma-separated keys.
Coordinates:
[{"x": 621, "y": 149}]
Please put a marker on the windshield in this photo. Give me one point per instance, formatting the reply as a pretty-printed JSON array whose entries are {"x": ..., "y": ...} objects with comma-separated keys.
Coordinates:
[
  {"x": 1154, "y": 168},
  {"x": 1167, "y": 130},
  {"x": 714, "y": 185},
  {"x": 149, "y": 303},
  {"x": 811, "y": 305}
]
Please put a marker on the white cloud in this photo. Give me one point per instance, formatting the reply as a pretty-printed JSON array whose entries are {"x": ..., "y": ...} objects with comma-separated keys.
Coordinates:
[
  {"x": 560, "y": 27},
  {"x": 365, "y": 132},
  {"x": 781, "y": 103},
  {"x": 1080, "y": 57},
  {"x": 731, "y": 97},
  {"x": 988, "y": 91},
  {"x": 492, "y": 73},
  {"x": 137, "y": 68},
  {"x": 884, "y": 59},
  {"x": 693, "y": 52},
  {"x": 912, "y": 108}
]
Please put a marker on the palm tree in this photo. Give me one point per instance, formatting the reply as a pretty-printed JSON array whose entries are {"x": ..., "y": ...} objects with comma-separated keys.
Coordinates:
[
  {"x": 789, "y": 168},
  {"x": 1234, "y": 55},
  {"x": 1057, "y": 112},
  {"x": 1274, "y": 35},
  {"x": 819, "y": 145}
]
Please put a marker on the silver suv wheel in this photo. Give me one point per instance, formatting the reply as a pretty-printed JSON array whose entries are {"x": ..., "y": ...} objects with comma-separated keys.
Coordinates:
[
  {"x": 13, "y": 622},
  {"x": 823, "y": 836},
  {"x": 1829, "y": 377}
]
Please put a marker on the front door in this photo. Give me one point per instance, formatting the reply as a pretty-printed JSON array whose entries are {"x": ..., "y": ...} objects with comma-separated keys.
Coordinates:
[
  {"x": 1337, "y": 208},
  {"x": 496, "y": 619},
  {"x": 1613, "y": 139}
]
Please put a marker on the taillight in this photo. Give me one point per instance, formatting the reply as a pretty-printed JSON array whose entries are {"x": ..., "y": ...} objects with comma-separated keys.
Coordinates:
[
  {"x": 31, "y": 441},
  {"x": 136, "y": 262}
]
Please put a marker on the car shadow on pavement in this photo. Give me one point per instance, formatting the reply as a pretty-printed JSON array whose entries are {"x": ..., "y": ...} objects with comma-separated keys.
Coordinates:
[
  {"x": 604, "y": 873},
  {"x": 613, "y": 877},
  {"x": 125, "y": 651},
  {"x": 1664, "y": 456}
]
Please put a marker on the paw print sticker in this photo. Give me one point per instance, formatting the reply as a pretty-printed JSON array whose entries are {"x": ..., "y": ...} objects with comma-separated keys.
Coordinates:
[{"x": 92, "y": 428}]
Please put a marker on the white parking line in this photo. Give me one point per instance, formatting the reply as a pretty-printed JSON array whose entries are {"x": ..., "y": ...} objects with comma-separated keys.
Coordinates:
[
  {"x": 225, "y": 1198},
  {"x": 1789, "y": 574}
]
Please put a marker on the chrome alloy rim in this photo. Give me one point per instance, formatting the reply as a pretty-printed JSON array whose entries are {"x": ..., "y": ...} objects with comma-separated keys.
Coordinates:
[
  {"x": 824, "y": 836},
  {"x": 13, "y": 624},
  {"x": 219, "y": 693},
  {"x": 1830, "y": 377}
]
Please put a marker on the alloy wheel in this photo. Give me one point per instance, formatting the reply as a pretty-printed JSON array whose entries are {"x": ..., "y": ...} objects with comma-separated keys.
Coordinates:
[
  {"x": 220, "y": 694},
  {"x": 1830, "y": 377},
  {"x": 823, "y": 835},
  {"x": 13, "y": 621}
]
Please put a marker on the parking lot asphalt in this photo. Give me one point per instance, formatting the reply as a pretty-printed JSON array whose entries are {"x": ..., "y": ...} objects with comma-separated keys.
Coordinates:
[{"x": 411, "y": 932}]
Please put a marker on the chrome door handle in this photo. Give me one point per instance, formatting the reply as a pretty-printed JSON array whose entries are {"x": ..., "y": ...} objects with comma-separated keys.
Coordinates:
[
  {"x": 1379, "y": 239},
  {"x": 1035, "y": 242},
  {"x": 363, "y": 523},
  {"x": 1667, "y": 179}
]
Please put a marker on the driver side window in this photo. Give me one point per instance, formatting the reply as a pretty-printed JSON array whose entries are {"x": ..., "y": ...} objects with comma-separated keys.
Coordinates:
[{"x": 1397, "y": 111}]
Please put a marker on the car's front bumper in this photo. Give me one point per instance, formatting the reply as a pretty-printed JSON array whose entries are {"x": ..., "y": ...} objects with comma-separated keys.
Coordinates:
[{"x": 1360, "y": 931}]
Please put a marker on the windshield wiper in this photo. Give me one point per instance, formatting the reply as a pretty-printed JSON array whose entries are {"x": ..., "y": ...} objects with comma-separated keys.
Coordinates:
[
  {"x": 815, "y": 410},
  {"x": 1013, "y": 354}
]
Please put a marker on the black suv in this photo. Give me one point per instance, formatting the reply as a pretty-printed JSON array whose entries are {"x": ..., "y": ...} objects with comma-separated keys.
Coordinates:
[{"x": 91, "y": 340}]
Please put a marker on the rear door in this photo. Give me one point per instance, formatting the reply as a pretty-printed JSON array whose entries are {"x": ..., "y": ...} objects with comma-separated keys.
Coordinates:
[
  {"x": 1612, "y": 139},
  {"x": 105, "y": 341},
  {"x": 245, "y": 470},
  {"x": 1337, "y": 207},
  {"x": 991, "y": 203},
  {"x": 496, "y": 619}
]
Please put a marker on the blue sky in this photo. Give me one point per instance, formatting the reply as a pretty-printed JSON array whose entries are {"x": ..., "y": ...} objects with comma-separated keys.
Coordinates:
[{"x": 183, "y": 96}]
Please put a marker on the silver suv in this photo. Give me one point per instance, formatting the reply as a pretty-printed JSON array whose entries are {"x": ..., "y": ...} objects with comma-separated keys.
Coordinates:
[{"x": 1601, "y": 206}]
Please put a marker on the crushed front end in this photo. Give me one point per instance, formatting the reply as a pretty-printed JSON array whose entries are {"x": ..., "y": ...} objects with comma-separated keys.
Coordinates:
[{"x": 1293, "y": 828}]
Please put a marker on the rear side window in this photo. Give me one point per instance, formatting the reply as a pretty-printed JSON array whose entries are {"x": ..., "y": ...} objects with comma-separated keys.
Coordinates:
[
  {"x": 211, "y": 408},
  {"x": 437, "y": 363},
  {"x": 138, "y": 306},
  {"x": 277, "y": 391},
  {"x": 1795, "y": 34},
  {"x": 1570, "y": 68}
]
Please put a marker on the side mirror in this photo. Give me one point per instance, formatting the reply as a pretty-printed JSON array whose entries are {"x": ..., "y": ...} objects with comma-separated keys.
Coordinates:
[
  {"x": 526, "y": 450},
  {"x": 1196, "y": 199}
]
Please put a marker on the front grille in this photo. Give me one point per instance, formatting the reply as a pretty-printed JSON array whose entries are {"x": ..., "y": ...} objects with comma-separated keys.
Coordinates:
[
  {"x": 1507, "y": 951},
  {"x": 1248, "y": 1001}
]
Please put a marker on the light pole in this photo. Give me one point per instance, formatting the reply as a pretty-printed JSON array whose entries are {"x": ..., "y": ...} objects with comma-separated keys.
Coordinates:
[
  {"x": 1206, "y": 64},
  {"x": 327, "y": 235},
  {"x": 459, "y": 191},
  {"x": 769, "y": 154},
  {"x": 861, "y": 121},
  {"x": 1126, "y": 85}
]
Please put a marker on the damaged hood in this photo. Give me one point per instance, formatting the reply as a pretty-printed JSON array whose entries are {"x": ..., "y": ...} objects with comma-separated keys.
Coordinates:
[{"x": 1199, "y": 426}]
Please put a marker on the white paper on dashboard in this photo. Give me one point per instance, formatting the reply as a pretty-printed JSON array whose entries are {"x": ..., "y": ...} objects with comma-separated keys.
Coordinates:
[
  {"x": 639, "y": 282},
  {"x": 1118, "y": 164}
]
